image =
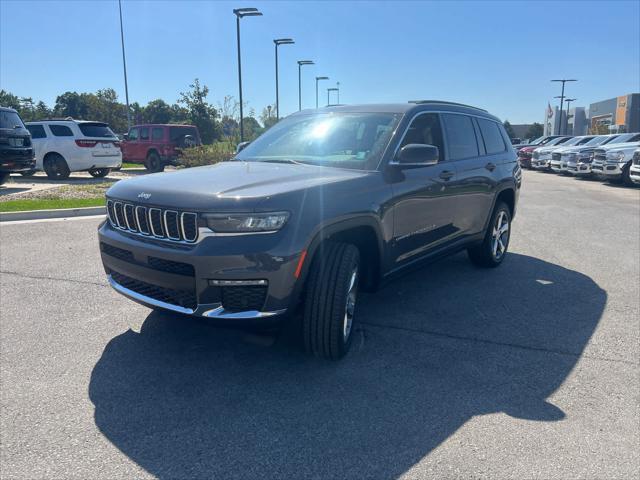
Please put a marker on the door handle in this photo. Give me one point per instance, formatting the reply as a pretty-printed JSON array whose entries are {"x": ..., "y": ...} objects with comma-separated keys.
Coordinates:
[
  {"x": 490, "y": 166},
  {"x": 446, "y": 175}
]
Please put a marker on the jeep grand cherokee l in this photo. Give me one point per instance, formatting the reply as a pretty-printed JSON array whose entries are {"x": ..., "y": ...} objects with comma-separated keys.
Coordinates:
[
  {"x": 16, "y": 151},
  {"x": 324, "y": 204}
]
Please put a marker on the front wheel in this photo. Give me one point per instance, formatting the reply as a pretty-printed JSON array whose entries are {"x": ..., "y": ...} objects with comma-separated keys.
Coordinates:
[
  {"x": 491, "y": 252},
  {"x": 99, "y": 172},
  {"x": 330, "y": 300}
]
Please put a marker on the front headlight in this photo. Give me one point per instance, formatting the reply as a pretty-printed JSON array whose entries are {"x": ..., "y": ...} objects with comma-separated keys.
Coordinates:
[
  {"x": 616, "y": 156},
  {"x": 246, "y": 222}
]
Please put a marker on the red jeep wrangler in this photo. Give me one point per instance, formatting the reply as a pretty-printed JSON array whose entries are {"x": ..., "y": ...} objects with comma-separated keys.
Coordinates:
[{"x": 157, "y": 145}]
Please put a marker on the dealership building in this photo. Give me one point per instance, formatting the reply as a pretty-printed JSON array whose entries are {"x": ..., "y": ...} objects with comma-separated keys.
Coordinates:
[{"x": 615, "y": 115}]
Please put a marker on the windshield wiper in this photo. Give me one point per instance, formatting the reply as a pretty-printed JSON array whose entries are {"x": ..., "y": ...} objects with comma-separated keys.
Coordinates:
[{"x": 281, "y": 160}]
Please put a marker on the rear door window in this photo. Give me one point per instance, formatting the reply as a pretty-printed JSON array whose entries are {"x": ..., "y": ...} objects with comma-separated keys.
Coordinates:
[
  {"x": 60, "y": 131},
  {"x": 157, "y": 133},
  {"x": 461, "y": 137},
  {"x": 491, "y": 136},
  {"x": 37, "y": 131},
  {"x": 99, "y": 130}
]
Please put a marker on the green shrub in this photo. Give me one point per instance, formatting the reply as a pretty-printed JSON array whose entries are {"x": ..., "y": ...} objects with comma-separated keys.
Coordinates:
[{"x": 206, "y": 154}]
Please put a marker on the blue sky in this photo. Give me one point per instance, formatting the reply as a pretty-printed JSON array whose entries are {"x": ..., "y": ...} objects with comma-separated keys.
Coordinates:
[{"x": 496, "y": 55}]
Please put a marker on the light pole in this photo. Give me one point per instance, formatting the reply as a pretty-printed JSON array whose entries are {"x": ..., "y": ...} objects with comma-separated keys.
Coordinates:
[
  {"x": 300, "y": 64},
  {"x": 569, "y": 100},
  {"x": 317, "y": 80},
  {"x": 240, "y": 13},
  {"x": 278, "y": 42},
  {"x": 124, "y": 64},
  {"x": 338, "y": 90},
  {"x": 329, "y": 90},
  {"x": 563, "y": 80}
]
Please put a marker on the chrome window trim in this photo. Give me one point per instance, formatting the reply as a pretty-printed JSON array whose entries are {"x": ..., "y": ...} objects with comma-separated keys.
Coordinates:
[
  {"x": 166, "y": 228},
  {"x": 137, "y": 207},
  {"x": 184, "y": 235},
  {"x": 153, "y": 230}
]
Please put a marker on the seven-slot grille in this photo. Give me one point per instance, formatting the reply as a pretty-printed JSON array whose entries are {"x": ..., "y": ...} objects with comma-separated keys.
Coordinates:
[{"x": 155, "y": 222}]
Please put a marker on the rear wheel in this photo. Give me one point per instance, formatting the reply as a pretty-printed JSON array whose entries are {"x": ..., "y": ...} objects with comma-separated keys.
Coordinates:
[
  {"x": 4, "y": 177},
  {"x": 56, "y": 168},
  {"x": 491, "y": 252},
  {"x": 330, "y": 301},
  {"x": 153, "y": 163},
  {"x": 99, "y": 172}
]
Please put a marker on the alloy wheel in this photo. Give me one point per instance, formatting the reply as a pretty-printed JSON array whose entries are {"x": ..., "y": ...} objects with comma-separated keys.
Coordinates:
[
  {"x": 350, "y": 306},
  {"x": 500, "y": 235}
]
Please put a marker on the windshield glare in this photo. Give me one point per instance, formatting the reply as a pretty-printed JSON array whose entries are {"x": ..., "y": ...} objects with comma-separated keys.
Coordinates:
[{"x": 345, "y": 140}]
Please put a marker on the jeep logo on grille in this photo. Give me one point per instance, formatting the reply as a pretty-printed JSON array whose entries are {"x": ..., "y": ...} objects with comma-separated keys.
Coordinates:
[{"x": 144, "y": 195}]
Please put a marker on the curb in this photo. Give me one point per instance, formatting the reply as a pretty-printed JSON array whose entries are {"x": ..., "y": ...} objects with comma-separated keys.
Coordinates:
[{"x": 55, "y": 213}]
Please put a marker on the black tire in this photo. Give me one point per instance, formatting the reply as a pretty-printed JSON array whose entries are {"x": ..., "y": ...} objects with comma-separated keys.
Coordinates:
[
  {"x": 4, "y": 176},
  {"x": 56, "y": 168},
  {"x": 30, "y": 173},
  {"x": 153, "y": 163},
  {"x": 331, "y": 282},
  {"x": 488, "y": 253},
  {"x": 626, "y": 176},
  {"x": 99, "y": 172}
]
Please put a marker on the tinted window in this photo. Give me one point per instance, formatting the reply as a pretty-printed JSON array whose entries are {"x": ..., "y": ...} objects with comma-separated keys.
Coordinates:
[
  {"x": 176, "y": 132},
  {"x": 157, "y": 133},
  {"x": 133, "y": 134},
  {"x": 144, "y": 133},
  {"x": 491, "y": 136},
  {"x": 426, "y": 130},
  {"x": 37, "y": 131},
  {"x": 10, "y": 120},
  {"x": 461, "y": 137},
  {"x": 100, "y": 130},
  {"x": 61, "y": 131}
]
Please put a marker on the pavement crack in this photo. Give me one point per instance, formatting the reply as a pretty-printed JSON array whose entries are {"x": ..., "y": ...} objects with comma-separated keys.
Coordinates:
[
  {"x": 501, "y": 344},
  {"x": 37, "y": 277}
]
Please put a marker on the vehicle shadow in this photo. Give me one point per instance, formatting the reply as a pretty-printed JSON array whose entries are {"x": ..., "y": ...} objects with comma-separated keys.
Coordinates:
[{"x": 435, "y": 348}]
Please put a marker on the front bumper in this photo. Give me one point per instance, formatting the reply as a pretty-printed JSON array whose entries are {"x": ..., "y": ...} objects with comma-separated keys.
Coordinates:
[
  {"x": 580, "y": 168},
  {"x": 540, "y": 163},
  {"x": 556, "y": 166},
  {"x": 612, "y": 171},
  {"x": 206, "y": 278}
]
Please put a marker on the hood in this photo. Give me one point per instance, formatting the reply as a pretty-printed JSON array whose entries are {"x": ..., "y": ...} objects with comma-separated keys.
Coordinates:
[{"x": 226, "y": 184}]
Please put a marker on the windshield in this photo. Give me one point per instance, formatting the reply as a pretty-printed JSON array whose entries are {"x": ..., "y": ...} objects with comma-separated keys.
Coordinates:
[
  {"x": 626, "y": 137},
  {"x": 10, "y": 120},
  {"x": 99, "y": 130},
  {"x": 557, "y": 141},
  {"x": 571, "y": 141},
  {"x": 538, "y": 140},
  {"x": 345, "y": 140},
  {"x": 596, "y": 140}
]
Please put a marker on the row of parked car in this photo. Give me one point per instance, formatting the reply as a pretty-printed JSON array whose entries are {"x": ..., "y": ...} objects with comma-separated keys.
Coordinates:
[
  {"x": 61, "y": 146},
  {"x": 615, "y": 157}
]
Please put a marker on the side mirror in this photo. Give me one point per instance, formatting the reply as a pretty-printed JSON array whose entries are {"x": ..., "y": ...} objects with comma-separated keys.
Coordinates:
[
  {"x": 417, "y": 155},
  {"x": 241, "y": 146}
]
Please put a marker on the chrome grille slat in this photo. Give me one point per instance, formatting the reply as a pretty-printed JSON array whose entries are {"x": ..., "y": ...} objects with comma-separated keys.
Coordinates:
[{"x": 167, "y": 224}]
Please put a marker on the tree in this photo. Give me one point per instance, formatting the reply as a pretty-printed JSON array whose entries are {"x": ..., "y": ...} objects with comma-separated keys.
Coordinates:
[
  {"x": 267, "y": 117},
  {"x": 251, "y": 128},
  {"x": 535, "y": 130},
  {"x": 157, "y": 111},
  {"x": 9, "y": 100},
  {"x": 509, "y": 129},
  {"x": 201, "y": 113}
]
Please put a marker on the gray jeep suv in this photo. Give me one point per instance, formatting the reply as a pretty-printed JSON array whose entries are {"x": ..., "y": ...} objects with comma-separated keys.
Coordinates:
[{"x": 323, "y": 205}]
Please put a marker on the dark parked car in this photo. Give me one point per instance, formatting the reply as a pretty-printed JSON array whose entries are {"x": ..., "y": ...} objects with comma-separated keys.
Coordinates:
[
  {"x": 16, "y": 151},
  {"x": 324, "y": 204},
  {"x": 157, "y": 145}
]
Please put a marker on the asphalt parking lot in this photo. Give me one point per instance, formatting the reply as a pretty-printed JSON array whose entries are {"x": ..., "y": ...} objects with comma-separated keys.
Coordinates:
[{"x": 530, "y": 370}]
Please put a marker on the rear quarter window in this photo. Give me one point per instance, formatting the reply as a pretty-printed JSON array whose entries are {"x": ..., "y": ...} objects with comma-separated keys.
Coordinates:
[
  {"x": 37, "y": 131},
  {"x": 175, "y": 133},
  {"x": 61, "y": 131},
  {"x": 492, "y": 137}
]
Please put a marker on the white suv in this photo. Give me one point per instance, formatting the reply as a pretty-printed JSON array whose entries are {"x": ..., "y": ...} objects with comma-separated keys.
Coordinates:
[{"x": 65, "y": 146}]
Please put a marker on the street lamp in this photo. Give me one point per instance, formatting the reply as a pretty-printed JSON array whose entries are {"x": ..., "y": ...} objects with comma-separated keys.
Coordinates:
[
  {"x": 569, "y": 100},
  {"x": 278, "y": 42},
  {"x": 338, "y": 90},
  {"x": 240, "y": 13},
  {"x": 124, "y": 65},
  {"x": 317, "y": 80},
  {"x": 329, "y": 90},
  {"x": 563, "y": 80},
  {"x": 300, "y": 64}
]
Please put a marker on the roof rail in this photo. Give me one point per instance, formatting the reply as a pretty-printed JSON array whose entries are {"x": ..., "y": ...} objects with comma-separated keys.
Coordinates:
[
  {"x": 420, "y": 102},
  {"x": 59, "y": 119}
]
